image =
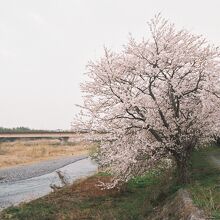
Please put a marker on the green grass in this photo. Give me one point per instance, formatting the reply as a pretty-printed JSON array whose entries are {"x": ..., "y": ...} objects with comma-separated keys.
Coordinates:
[
  {"x": 37, "y": 210},
  {"x": 142, "y": 194},
  {"x": 205, "y": 185}
]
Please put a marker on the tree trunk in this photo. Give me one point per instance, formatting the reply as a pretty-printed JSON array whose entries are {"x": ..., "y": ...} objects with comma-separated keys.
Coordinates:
[
  {"x": 183, "y": 173},
  {"x": 182, "y": 160}
]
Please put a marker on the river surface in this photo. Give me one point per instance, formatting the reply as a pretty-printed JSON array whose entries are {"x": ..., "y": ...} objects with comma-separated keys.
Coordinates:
[{"x": 26, "y": 190}]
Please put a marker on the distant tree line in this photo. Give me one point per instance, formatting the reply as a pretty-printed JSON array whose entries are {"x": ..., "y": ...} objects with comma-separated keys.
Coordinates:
[{"x": 22, "y": 129}]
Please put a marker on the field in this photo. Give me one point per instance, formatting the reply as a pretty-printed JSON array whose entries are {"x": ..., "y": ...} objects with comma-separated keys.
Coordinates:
[{"x": 29, "y": 151}]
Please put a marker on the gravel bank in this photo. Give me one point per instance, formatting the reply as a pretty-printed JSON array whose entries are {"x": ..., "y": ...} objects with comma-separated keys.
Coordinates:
[{"x": 13, "y": 174}]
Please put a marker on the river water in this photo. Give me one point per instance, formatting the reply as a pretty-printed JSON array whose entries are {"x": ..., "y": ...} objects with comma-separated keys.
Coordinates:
[{"x": 29, "y": 189}]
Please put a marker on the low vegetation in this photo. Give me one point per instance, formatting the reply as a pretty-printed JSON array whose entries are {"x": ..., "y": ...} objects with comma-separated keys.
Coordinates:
[{"x": 26, "y": 151}]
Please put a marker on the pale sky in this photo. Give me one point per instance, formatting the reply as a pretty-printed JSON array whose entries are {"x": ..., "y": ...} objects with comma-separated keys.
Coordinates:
[{"x": 45, "y": 45}]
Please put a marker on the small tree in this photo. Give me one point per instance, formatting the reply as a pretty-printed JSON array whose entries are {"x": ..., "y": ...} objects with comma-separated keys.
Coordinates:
[{"x": 155, "y": 99}]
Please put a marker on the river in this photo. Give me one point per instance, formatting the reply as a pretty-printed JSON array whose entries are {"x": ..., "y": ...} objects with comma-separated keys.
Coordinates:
[{"x": 35, "y": 187}]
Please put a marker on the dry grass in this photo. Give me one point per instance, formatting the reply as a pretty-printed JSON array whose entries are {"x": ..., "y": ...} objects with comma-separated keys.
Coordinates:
[{"x": 28, "y": 151}]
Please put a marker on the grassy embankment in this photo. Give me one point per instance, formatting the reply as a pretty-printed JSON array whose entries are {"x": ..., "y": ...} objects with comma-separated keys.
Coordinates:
[
  {"x": 205, "y": 186},
  {"x": 84, "y": 200},
  {"x": 29, "y": 151}
]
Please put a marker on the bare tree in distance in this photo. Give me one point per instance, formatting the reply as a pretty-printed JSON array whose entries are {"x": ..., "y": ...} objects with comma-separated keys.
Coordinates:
[{"x": 156, "y": 99}]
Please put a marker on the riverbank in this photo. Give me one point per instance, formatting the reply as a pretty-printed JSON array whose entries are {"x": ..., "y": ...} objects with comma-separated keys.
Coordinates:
[
  {"x": 85, "y": 200},
  {"x": 142, "y": 196}
]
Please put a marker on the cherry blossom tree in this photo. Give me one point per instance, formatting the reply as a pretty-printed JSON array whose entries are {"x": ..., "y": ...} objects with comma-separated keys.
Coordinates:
[{"x": 156, "y": 99}]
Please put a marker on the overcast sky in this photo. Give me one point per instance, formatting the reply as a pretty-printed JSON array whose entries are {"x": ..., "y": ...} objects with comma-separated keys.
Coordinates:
[{"x": 45, "y": 45}]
